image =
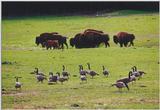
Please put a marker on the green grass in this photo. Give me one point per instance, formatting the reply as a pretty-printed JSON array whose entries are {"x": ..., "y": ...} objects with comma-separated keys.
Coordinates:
[{"x": 18, "y": 37}]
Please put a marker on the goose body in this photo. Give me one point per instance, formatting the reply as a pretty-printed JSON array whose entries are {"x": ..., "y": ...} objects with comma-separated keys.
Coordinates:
[
  {"x": 17, "y": 83},
  {"x": 53, "y": 78},
  {"x": 61, "y": 79},
  {"x": 65, "y": 73},
  {"x": 40, "y": 78},
  {"x": 105, "y": 72},
  {"x": 127, "y": 80},
  {"x": 91, "y": 72},
  {"x": 83, "y": 78},
  {"x": 136, "y": 73},
  {"x": 120, "y": 85}
]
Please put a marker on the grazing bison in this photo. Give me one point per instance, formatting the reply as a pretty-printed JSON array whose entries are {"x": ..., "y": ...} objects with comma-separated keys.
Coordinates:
[
  {"x": 51, "y": 36},
  {"x": 123, "y": 38},
  {"x": 51, "y": 43},
  {"x": 97, "y": 38},
  {"x": 89, "y": 39}
]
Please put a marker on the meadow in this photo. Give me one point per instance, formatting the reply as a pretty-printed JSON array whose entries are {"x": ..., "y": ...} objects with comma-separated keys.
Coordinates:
[{"x": 18, "y": 46}]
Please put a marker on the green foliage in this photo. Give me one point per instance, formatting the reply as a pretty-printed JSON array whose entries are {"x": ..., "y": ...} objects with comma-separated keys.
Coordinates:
[{"x": 18, "y": 45}]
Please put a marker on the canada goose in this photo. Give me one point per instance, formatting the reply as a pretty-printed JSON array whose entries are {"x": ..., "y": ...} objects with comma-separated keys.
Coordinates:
[
  {"x": 120, "y": 85},
  {"x": 65, "y": 73},
  {"x": 105, "y": 72},
  {"x": 81, "y": 71},
  {"x": 136, "y": 73},
  {"x": 37, "y": 72},
  {"x": 141, "y": 72},
  {"x": 126, "y": 80},
  {"x": 61, "y": 79},
  {"x": 132, "y": 78},
  {"x": 91, "y": 72},
  {"x": 40, "y": 77},
  {"x": 52, "y": 78},
  {"x": 83, "y": 78},
  {"x": 18, "y": 84}
]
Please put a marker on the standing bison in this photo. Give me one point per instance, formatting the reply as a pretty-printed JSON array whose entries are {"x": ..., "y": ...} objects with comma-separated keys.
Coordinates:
[
  {"x": 123, "y": 38},
  {"x": 89, "y": 39},
  {"x": 51, "y": 44},
  {"x": 51, "y": 36}
]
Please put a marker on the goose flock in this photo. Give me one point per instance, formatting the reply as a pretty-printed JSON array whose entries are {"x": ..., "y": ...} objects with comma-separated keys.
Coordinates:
[{"x": 65, "y": 75}]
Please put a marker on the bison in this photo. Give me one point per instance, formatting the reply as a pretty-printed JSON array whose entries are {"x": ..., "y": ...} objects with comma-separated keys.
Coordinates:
[
  {"x": 89, "y": 39},
  {"x": 93, "y": 30},
  {"x": 123, "y": 38},
  {"x": 51, "y": 36},
  {"x": 51, "y": 43}
]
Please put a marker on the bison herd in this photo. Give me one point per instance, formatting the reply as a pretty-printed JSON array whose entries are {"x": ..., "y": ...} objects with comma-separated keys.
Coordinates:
[{"x": 90, "y": 38}]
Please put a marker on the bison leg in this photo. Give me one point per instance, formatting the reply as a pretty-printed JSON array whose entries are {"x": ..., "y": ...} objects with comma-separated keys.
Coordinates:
[
  {"x": 62, "y": 46},
  {"x": 131, "y": 43},
  {"x": 66, "y": 45},
  {"x": 121, "y": 44},
  {"x": 125, "y": 44},
  {"x": 107, "y": 44}
]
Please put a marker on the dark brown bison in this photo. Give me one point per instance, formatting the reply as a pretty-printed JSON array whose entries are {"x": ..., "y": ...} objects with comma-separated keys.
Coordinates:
[
  {"x": 89, "y": 39},
  {"x": 93, "y": 30},
  {"x": 51, "y": 36},
  {"x": 123, "y": 38},
  {"x": 51, "y": 44}
]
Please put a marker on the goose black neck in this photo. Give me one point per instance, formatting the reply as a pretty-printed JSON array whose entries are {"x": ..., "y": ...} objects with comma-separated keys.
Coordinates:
[
  {"x": 129, "y": 75},
  {"x": 88, "y": 66},
  {"x": 81, "y": 67},
  {"x": 16, "y": 79},
  {"x": 36, "y": 70},
  {"x": 63, "y": 67},
  {"x": 58, "y": 74},
  {"x": 103, "y": 68},
  {"x": 135, "y": 68}
]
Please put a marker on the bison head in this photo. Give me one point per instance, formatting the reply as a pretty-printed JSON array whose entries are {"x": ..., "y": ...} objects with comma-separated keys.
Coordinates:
[
  {"x": 72, "y": 42},
  {"x": 115, "y": 39},
  {"x": 37, "y": 41},
  {"x": 132, "y": 37},
  {"x": 106, "y": 37}
]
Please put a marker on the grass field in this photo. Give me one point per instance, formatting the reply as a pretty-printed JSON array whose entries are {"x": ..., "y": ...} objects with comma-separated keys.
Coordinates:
[{"x": 18, "y": 47}]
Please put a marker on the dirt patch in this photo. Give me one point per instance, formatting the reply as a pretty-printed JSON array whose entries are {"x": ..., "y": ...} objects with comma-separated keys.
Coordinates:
[
  {"x": 142, "y": 86},
  {"x": 75, "y": 105},
  {"x": 19, "y": 93},
  {"x": 8, "y": 63},
  {"x": 142, "y": 100}
]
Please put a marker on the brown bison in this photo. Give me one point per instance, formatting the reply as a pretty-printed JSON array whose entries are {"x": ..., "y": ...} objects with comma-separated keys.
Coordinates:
[
  {"x": 89, "y": 39},
  {"x": 123, "y": 38},
  {"x": 51, "y": 36},
  {"x": 51, "y": 43}
]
